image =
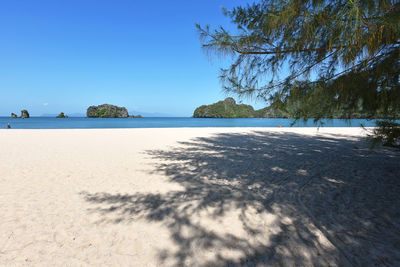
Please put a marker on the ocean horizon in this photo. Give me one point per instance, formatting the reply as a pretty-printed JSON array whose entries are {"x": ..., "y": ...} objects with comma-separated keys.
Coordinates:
[{"x": 172, "y": 122}]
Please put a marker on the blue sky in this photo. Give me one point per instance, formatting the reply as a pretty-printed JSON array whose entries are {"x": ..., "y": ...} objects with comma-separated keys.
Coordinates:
[{"x": 145, "y": 55}]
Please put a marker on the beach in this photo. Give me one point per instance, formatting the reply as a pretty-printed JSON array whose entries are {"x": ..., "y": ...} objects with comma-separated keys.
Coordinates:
[{"x": 198, "y": 197}]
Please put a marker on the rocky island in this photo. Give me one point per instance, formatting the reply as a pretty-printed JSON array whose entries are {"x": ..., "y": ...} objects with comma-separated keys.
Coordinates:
[
  {"x": 108, "y": 111},
  {"x": 62, "y": 116},
  {"x": 24, "y": 114},
  {"x": 228, "y": 108},
  {"x": 224, "y": 109},
  {"x": 288, "y": 109}
]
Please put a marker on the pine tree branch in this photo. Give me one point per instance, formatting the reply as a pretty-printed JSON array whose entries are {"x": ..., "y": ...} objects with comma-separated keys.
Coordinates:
[{"x": 244, "y": 52}]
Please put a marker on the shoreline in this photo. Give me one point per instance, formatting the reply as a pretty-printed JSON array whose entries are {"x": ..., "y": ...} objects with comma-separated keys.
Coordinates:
[{"x": 85, "y": 123}]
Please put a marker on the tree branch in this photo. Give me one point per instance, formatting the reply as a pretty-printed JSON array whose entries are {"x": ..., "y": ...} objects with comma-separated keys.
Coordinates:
[{"x": 244, "y": 52}]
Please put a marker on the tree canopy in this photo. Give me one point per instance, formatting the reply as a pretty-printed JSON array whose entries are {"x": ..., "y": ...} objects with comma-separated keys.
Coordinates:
[{"x": 314, "y": 57}]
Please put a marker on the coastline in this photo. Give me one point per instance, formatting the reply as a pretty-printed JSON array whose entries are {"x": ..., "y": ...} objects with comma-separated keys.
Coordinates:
[
  {"x": 170, "y": 122},
  {"x": 196, "y": 196}
]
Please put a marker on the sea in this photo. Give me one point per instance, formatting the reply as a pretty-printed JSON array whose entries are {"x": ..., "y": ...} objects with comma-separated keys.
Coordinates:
[{"x": 171, "y": 122}]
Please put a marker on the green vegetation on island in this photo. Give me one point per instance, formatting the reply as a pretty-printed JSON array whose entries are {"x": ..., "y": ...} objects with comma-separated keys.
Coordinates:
[
  {"x": 271, "y": 112},
  {"x": 62, "y": 115},
  {"x": 290, "y": 109},
  {"x": 224, "y": 109},
  {"x": 109, "y": 111},
  {"x": 228, "y": 108}
]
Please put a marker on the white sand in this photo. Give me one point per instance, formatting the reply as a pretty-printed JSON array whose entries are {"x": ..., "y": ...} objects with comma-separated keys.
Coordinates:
[{"x": 197, "y": 196}]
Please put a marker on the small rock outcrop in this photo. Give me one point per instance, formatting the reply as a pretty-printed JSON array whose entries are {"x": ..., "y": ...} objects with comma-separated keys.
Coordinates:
[
  {"x": 135, "y": 116},
  {"x": 24, "y": 114},
  {"x": 107, "y": 111},
  {"x": 62, "y": 116},
  {"x": 13, "y": 115}
]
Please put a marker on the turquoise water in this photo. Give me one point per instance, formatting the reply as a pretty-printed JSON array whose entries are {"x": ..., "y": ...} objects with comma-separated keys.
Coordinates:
[{"x": 93, "y": 123}]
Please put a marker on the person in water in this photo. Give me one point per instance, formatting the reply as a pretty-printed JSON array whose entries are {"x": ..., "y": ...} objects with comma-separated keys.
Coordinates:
[{"x": 8, "y": 126}]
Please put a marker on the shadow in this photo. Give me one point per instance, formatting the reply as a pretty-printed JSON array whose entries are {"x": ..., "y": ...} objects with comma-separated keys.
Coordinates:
[{"x": 266, "y": 199}]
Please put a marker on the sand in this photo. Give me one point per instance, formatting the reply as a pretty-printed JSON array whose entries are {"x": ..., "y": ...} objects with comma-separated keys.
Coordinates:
[{"x": 197, "y": 197}]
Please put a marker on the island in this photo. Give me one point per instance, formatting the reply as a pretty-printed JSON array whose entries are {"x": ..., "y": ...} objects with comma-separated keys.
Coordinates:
[
  {"x": 24, "y": 114},
  {"x": 109, "y": 111},
  {"x": 228, "y": 108},
  {"x": 224, "y": 109},
  {"x": 62, "y": 116}
]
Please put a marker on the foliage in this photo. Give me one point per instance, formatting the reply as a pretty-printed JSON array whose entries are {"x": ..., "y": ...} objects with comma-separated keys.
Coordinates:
[
  {"x": 387, "y": 133},
  {"x": 292, "y": 108},
  {"x": 224, "y": 109},
  {"x": 271, "y": 112},
  {"x": 340, "y": 57},
  {"x": 107, "y": 111},
  {"x": 62, "y": 115},
  {"x": 229, "y": 109},
  {"x": 102, "y": 113}
]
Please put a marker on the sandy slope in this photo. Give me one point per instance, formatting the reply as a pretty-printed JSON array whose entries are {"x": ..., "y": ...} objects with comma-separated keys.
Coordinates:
[{"x": 197, "y": 196}]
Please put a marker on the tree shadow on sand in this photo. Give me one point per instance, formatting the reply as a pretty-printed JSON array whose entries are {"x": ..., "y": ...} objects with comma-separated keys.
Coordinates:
[{"x": 262, "y": 198}]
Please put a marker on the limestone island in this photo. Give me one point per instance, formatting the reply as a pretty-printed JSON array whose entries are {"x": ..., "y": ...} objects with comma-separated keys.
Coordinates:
[
  {"x": 229, "y": 109},
  {"x": 108, "y": 111},
  {"x": 62, "y": 116},
  {"x": 24, "y": 114}
]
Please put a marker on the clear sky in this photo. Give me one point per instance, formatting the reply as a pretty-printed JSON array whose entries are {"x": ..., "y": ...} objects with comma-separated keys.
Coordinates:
[{"x": 145, "y": 55}]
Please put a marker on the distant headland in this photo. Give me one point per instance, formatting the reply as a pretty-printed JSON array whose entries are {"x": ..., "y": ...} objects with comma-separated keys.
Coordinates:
[
  {"x": 229, "y": 109},
  {"x": 108, "y": 111}
]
